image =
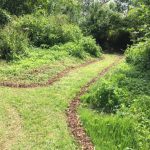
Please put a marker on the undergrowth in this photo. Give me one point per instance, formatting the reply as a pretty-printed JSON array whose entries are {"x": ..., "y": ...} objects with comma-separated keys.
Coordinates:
[
  {"x": 121, "y": 103},
  {"x": 39, "y": 66},
  {"x": 45, "y": 32}
]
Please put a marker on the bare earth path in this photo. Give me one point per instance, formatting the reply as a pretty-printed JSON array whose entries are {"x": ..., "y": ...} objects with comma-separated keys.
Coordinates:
[{"x": 72, "y": 117}]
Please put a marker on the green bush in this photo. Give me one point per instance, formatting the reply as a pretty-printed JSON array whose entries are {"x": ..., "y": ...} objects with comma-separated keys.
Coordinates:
[
  {"x": 74, "y": 49},
  {"x": 71, "y": 32},
  {"x": 13, "y": 44},
  {"x": 49, "y": 30},
  {"x": 45, "y": 32},
  {"x": 82, "y": 48},
  {"x": 89, "y": 45},
  {"x": 106, "y": 97},
  {"x": 4, "y": 17},
  {"x": 139, "y": 54}
]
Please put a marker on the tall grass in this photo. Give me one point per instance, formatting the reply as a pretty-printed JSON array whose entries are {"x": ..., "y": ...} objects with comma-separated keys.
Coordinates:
[{"x": 109, "y": 132}]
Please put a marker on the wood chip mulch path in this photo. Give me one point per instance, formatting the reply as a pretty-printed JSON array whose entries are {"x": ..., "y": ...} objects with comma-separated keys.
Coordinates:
[{"x": 73, "y": 120}]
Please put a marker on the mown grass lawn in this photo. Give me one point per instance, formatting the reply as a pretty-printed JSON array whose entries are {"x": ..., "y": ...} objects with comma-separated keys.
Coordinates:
[{"x": 41, "y": 111}]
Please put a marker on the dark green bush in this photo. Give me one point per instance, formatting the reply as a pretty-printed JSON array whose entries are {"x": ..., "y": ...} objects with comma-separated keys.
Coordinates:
[
  {"x": 4, "y": 17},
  {"x": 13, "y": 44},
  {"x": 139, "y": 55},
  {"x": 106, "y": 97}
]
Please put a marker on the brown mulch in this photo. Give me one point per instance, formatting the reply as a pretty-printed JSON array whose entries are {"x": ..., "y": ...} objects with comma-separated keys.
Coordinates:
[
  {"x": 57, "y": 77},
  {"x": 73, "y": 120}
]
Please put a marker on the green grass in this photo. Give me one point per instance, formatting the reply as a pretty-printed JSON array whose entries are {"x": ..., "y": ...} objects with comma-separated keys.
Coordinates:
[
  {"x": 129, "y": 126},
  {"x": 40, "y": 66},
  {"x": 42, "y": 110},
  {"x": 109, "y": 132}
]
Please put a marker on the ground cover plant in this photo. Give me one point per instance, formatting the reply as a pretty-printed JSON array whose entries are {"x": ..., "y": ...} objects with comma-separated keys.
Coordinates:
[{"x": 40, "y": 66}]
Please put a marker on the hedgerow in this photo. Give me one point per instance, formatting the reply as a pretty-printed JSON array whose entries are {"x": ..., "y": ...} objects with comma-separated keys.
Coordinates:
[
  {"x": 49, "y": 30},
  {"x": 45, "y": 32},
  {"x": 139, "y": 55}
]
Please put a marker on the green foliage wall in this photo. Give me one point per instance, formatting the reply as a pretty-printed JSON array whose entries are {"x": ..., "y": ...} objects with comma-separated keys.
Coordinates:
[
  {"x": 139, "y": 55},
  {"x": 4, "y": 17},
  {"x": 13, "y": 44}
]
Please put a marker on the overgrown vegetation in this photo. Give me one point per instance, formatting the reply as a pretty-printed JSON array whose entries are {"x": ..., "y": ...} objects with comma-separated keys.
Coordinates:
[
  {"x": 122, "y": 95},
  {"x": 119, "y": 103},
  {"x": 45, "y": 32},
  {"x": 139, "y": 55},
  {"x": 4, "y": 17}
]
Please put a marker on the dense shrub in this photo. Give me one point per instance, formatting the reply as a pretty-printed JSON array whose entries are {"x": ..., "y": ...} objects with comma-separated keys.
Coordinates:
[
  {"x": 4, "y": 17},
  {"x": 18, "y": 7},
  {"x": 13, "y": 44},
  {"x": 45, "y": 32},
  {"x": 72, "y": 48},
  {"x": 106, "y": 97},
  {"x": 118, "y": 88},
  {"x": 89, "y": 45},
  {"x": 86, "y": 46},
  {"x": 139, "y": 54},
  {"x": 71, "y": 32},
  {"x": 49, "y": 30}
]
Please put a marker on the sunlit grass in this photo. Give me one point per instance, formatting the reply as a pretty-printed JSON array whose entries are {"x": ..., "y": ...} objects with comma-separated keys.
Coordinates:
[{"x": 42, "y": 110}]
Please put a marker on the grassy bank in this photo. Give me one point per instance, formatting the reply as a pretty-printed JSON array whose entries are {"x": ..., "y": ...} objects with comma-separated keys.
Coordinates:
[{"x": 115, "y": 112}]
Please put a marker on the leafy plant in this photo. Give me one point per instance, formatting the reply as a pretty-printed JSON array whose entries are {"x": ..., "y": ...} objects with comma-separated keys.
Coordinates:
[
  {"x": 49, "y": 30},
  {"x": 90, "y": 46},
  {"x": 13, "y": 44},
  {"x": 4, "y": 17},
  {"x": 139, "y": 54}
]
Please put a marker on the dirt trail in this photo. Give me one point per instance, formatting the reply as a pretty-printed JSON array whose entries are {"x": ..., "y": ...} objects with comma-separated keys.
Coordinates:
[
  {"x": 57, "y": 77},
  {"x": 72, "y": 117},
  {"x": 14, "y": 129}
]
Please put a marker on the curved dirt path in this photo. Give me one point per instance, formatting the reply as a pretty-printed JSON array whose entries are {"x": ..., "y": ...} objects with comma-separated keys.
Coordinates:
[
  {"x": 14, "y": 129},
  {"x": 55, "y": 78},
  {"x": 73, "y": 120}
]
